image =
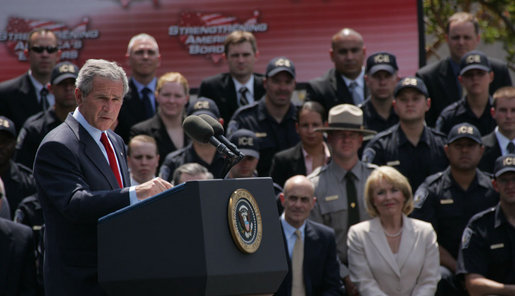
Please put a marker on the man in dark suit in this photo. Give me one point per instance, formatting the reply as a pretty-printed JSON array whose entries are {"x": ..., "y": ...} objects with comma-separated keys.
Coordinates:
[
  {"x": 345, "y": 82},
  {"x": 441, "y": 78},
  {"x": 502, "y": 140},
  {"x": 81, "y": 173},
  {"x": 28, "y": 94},
  {"x": 18, "y": 269},
  {"x": 240, "y": 86},
  {"x": 313, "y": 267},
  {"x": 140, "y": 103}
]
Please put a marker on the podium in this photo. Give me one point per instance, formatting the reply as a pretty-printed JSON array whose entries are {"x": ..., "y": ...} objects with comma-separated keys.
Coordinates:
[{"x": 180, "y": 242}]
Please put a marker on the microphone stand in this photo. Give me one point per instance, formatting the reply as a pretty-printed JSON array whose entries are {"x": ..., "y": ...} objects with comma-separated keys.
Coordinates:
[{"x": 229, "y": 163}]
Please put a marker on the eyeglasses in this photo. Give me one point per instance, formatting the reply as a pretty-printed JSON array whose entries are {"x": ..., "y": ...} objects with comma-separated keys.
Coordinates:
[{"x": 40, "y": 49}]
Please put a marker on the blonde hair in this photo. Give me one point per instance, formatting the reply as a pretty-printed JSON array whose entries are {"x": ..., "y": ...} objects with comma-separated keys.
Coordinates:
[
  {"x": 393, "y": 177},
  {"x": 173, "y": 77}
]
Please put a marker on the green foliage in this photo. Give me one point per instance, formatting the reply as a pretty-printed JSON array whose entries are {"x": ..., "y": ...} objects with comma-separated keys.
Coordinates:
[{"x": 496, "y": 19}]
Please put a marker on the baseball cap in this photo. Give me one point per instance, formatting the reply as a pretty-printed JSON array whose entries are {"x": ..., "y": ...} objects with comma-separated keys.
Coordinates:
[
  {"x": 464, "y": 130},
  {"x": 504, "y": 164},
  {"x": 381, "y": 61},
  {"x": 474, "y": 60},
  {"x": 6, "y": 125},
  {"x": 280, "y": 64},
  {"x": 246, "y": 141},
  {"x": 411, "y": 82},
  {"x": 63, "y": 71},
  {"x": 203, "y": 105}
]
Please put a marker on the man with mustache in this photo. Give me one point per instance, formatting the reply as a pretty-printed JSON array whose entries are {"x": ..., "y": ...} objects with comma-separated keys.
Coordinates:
[
  {"x": 272, "y": 119},
  {"x": 448, "y": 199}
]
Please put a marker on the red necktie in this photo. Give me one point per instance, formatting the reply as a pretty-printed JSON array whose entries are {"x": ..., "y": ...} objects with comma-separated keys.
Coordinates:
[{"x": 112, "y": 158}]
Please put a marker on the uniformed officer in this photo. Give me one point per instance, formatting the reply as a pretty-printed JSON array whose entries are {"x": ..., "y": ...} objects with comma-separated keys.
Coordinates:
[
  {"x": 340, "y": 184},
  {"x": 487, "y": 253},
  {"x": 410, "y": 146},
  {"x": 272, "y": 119},
  {"x": 62, "y": 86},
  {"x": 381, "y": 78},
  {"x": 475, "y": 76},
  {"x": 448, "y": 199}
]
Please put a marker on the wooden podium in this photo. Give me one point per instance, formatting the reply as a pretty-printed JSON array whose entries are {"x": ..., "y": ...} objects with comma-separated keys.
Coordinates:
[{"x": 180, "y": 242}]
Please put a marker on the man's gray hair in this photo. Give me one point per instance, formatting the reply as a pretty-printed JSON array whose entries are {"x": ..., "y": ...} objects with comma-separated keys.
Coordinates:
[
  {"x": 100, "y": 68},
  {"x": 192, "y": 169},
  {"x": 141, "y": 36}
]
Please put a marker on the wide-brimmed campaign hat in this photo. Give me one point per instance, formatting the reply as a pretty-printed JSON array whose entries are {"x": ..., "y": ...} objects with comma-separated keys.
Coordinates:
[{"x": 346, "y": 117}]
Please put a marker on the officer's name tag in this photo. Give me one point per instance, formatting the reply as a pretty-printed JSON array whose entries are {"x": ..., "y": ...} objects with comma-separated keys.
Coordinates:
[
  {"x": 393, "y": 162},
  {"x": 331, "y": 198},
  {"x": 496, "y": 246},
  {"x": 446, "y": 201},
  {"x": 260, "y": 135}
]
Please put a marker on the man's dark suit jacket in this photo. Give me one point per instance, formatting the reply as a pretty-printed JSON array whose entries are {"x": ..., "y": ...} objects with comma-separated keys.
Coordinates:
[
  {"x": 18, "y": 100},
  {"x": 132, "y": 112},
  {"x": 221, "y": 89},
  {"x": 492, "y": 152},
  {"x": 288, "y": 163},
  {"x": 320, "y": 265},
  {"x": 443, "y": 89},
  {"x": 155, "y": 127},
  {"x": 17, "y": 263},
  {"x": 76, "y": 187},
  {"x": 330, "y": 90}
]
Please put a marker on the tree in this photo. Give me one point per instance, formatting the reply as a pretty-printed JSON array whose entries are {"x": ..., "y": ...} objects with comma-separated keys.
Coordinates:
[{"x": 496, "y": 20}]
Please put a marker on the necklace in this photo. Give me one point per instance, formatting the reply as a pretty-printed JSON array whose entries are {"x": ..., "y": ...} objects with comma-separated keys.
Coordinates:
[{"x": 394, "y": 234}]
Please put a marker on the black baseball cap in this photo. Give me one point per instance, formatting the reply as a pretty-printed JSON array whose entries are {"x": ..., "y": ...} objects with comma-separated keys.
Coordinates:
[
  {"x": 504, "y": 164},
  {"x": 246, "y": 141},
  {"x": 411, "y": 82},
  {"x": 381, "y": 61},
  {"x": 280, "y": 64},
  {"x": 474, "y": 60},
  {"x": 203, "y": 105},
  {"x": 7, "y": 125},
  {"x": 464, "y": 130},
  {"x": 63, "y": 71}
]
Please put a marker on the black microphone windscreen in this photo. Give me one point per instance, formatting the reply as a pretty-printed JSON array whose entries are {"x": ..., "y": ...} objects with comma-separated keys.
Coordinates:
[
  {"x": 197, "y": 128},
  {"x": 217, "y": 126}
]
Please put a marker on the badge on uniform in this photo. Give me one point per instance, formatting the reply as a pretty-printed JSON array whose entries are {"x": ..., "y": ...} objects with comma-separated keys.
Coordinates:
[
  {"x": 420, "y": 197},
  {"x": 465, "y": 238},
  {"x": 497, "y": 246},
  {"x": 393, "y": 163},
  {"x": 331, "y": 198},
  {"x": 446, "y": 201},
  {"x": 368, "y": 155}
]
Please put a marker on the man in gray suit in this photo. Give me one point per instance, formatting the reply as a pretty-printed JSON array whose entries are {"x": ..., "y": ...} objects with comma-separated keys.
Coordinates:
[{"x": 81, "y": 173}]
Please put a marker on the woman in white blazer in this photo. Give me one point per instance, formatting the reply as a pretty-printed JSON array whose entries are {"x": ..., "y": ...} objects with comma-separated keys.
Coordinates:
[{"x": 392, "y": 254}]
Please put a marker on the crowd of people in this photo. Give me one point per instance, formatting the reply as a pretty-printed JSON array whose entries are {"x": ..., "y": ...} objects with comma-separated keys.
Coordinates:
[{"x": 384, "y": 185}]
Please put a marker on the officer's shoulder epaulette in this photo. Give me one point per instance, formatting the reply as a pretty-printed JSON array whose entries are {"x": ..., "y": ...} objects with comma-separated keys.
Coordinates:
[
  {"x": 24, "y": 168},
  {"x": 438, "y": 133},
  {"x": 483, "y": 214},
  {"x": 433, "y": 178}
]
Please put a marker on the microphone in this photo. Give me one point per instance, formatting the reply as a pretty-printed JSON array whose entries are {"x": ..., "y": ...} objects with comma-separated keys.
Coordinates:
[
  {"x": 218, "y": 130},
  {"x": 201, "y": 131}
]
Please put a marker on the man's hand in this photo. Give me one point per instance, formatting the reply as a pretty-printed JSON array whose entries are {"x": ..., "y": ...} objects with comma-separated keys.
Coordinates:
[
  {"x": 151, "y": 188},
  {"x": 350, "y": 288}
]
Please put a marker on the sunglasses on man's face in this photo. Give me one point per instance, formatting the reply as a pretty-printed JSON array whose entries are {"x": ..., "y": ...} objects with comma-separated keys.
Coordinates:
[{"x": 40, "y": 49}]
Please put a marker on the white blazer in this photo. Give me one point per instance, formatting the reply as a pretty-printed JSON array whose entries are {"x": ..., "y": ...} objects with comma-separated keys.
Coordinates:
[{"x": 414, "y": 270}]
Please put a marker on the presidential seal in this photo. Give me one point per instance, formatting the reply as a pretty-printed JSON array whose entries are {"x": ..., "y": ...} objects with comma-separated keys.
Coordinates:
[{"x": 245, "y": 221}]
